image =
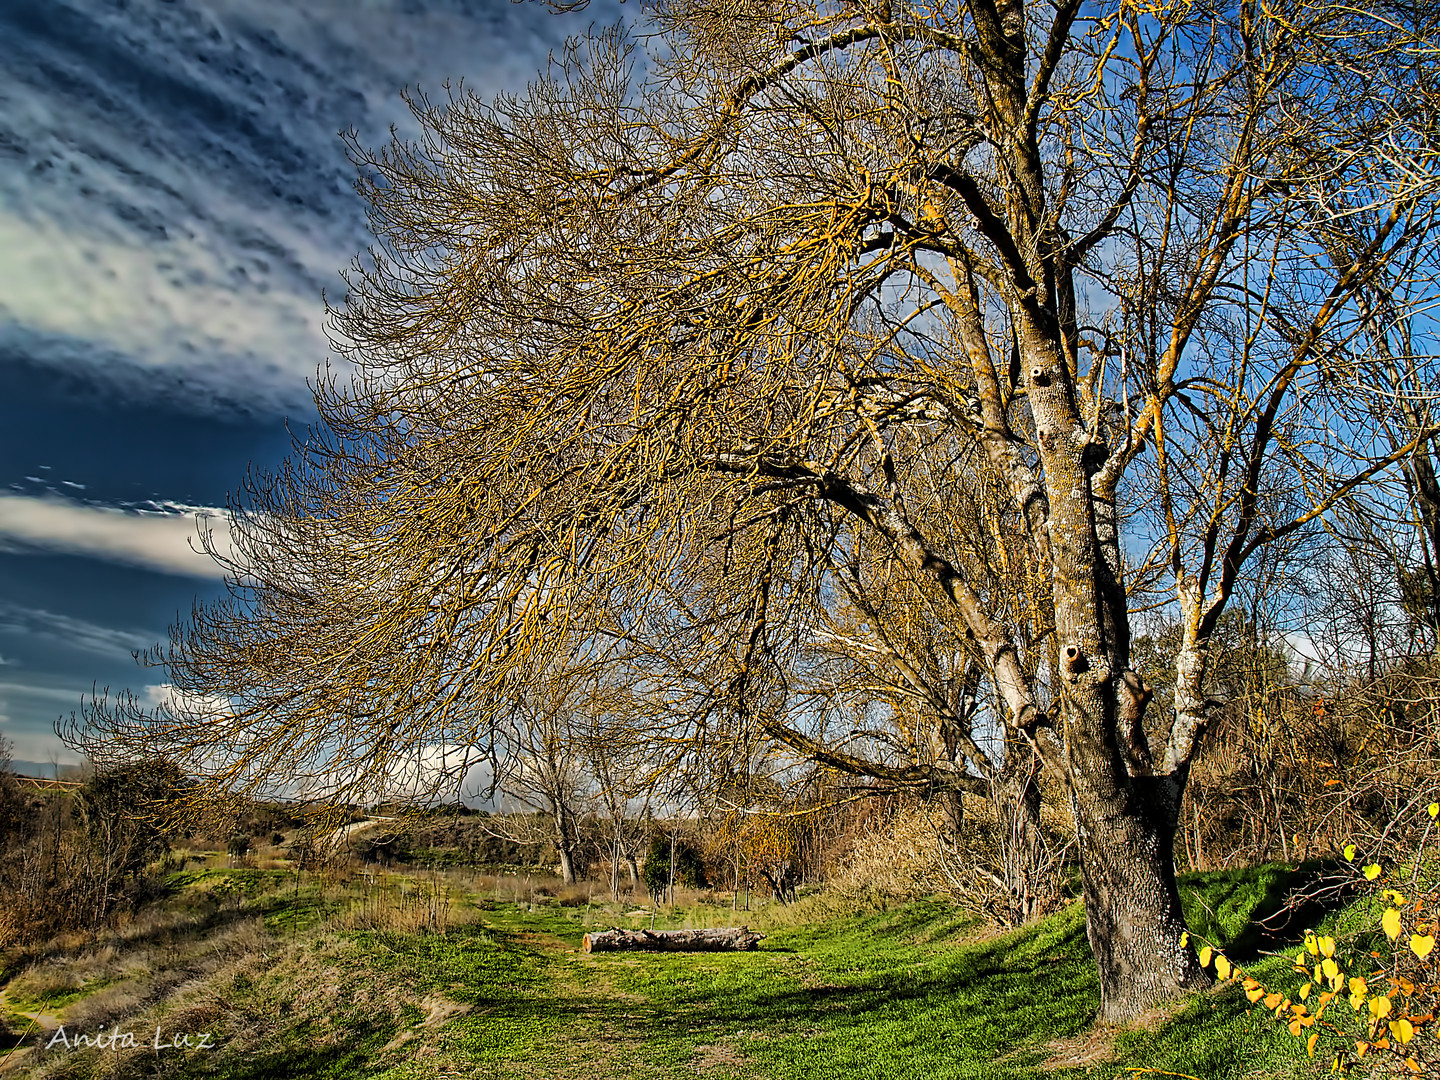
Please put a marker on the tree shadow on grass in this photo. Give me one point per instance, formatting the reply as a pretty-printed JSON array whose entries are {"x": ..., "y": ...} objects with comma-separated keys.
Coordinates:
[
  {"x": 1258, "y": 910},
  {"x": 962, "y": 1011},
  {"x": 965, "y": 1005},
  {"x": 335, "y": 1062}
]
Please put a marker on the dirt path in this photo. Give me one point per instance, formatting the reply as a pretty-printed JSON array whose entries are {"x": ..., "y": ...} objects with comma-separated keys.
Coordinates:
[
  {"x": 343, "y": 834},
  {"x": 41, "y": 1025}
]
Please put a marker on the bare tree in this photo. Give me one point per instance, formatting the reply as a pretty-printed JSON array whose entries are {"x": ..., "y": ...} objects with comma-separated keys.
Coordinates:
[
  {"x": 556, "y": 751},
  {"x": 800, "y": 341}
]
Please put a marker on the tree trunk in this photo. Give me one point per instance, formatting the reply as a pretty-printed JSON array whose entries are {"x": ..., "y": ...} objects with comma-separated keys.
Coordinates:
[
  {"x": 1133, "y": 916},
  {"x": 724, "y": 939},
  {"x": 565, "y": 844},
  {"x": 672, "y": 868}
]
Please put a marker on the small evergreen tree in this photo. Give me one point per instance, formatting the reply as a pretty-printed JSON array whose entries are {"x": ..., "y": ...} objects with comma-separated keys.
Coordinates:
[{"x": 689, "y": 865}]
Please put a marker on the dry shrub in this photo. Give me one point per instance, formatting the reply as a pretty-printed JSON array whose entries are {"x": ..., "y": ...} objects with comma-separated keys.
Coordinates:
[
  {"x": 917, "y": 853},
  {"x": 902, "y": 858},
  {"x": 398, "y": 904},
  {"x": 578, "y": 895},
  {"x": 11, "y": 926}
]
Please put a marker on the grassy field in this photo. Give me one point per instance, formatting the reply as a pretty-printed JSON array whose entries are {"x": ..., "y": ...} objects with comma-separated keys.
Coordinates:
[{"x": 421, "y": 979}]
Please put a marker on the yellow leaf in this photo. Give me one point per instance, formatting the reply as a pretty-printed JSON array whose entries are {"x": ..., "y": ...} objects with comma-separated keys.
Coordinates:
[
  {"x": 1272, "y": 1000},
  {"x": 1349, "y": 852},
  {"x": 1360, "y": 1048},
  {"x": 1393, "y": 896},
  {"x": 1402, "y": 1029},
  {"x": 1357, "y": 1001},
  {"x": 1421, "y": 944},
  {"x": 1310, "y": 1043},
  {"x": 1253, "y": 990},
  {"x": 1222, "y": 965},
  {"x": 1413, "y": 1065},
  {"x": 1327, "y": 946},
  {"x": 1184, "y": 938},
  {"x": 1390, "y": 923},
  {"x": 1434, "y": 809},
  {"x": 1330, "y": 968},
  {"x": 1295, "y": 1028},
  {"x": 1380, "y": 1007},
  {"x": 1305, "y": 990},
  {"x": 1205, "y": 954},
  {"x": 1311, "y": 946},
  {"x": 1372, "y": 871}
]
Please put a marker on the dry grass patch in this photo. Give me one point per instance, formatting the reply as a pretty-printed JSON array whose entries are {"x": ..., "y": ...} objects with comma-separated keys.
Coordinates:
[
  {"x": 1097, "y": 1045},
  {"x": 439, "y": 1010},
  {"x": 717, "y": 1056}
]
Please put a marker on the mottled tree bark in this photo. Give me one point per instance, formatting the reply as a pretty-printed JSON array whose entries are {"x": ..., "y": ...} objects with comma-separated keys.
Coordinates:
[{"x": 723, "y": 939}]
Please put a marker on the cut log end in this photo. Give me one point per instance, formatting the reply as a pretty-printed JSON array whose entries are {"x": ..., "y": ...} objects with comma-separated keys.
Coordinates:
[{"x": 720, "y": 939}]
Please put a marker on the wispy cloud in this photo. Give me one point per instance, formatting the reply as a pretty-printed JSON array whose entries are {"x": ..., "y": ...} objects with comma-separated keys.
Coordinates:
[
  {"x": 162, "y": 540},
  {"x": 72, "y": 632},
  {"x": 44, "y": 693},
  {"x": 87, "y": 300},
  {"x": 172, "y": 188}
]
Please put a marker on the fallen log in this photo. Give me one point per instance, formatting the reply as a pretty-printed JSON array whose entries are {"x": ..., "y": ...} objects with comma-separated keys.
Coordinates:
[{"x": 721, "y": 939}]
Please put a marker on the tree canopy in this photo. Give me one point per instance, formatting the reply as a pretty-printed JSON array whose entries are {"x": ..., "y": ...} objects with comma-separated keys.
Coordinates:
[{"x": 842, "y": 377}]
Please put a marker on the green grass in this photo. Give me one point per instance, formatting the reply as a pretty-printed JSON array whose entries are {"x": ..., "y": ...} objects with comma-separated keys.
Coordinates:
[{"x": 906, "y": 993}]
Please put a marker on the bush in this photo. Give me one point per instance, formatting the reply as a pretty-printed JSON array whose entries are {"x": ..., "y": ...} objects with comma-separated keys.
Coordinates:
[
  {"x": 80, "y": 856},
  {"x": 1367, "y": 998},
  {"x": 689, "y": 865}
]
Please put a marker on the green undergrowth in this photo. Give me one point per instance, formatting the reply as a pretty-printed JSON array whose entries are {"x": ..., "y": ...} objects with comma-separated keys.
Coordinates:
[{"x": 915, "y": 991}]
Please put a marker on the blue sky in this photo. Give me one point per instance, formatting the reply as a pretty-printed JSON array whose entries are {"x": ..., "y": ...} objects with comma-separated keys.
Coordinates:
[{"x": 173, "y": 200}]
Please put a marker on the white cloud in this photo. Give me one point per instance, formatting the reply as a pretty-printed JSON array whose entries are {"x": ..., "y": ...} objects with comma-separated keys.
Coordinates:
[
  {"x": 443, "y": 770},
  {"x": 164, "y": 541},
  {"x": 158, "y": 694},
  {"x": 185, "y": 311}
]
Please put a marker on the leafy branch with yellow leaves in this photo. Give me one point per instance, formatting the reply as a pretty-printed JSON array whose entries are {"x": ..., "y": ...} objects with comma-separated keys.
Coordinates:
[{"x": 1387, "y": 972}]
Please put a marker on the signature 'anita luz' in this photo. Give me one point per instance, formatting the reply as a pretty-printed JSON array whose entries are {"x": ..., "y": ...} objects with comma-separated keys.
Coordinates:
[{"x": 116, "y": 1039}]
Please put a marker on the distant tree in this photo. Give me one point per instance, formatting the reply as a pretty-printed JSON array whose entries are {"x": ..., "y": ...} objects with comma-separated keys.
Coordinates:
[
  {"x": 129, "y": 812},
  {"x": 672, "y": 859},
  {"x": 16, "y": 812}
]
